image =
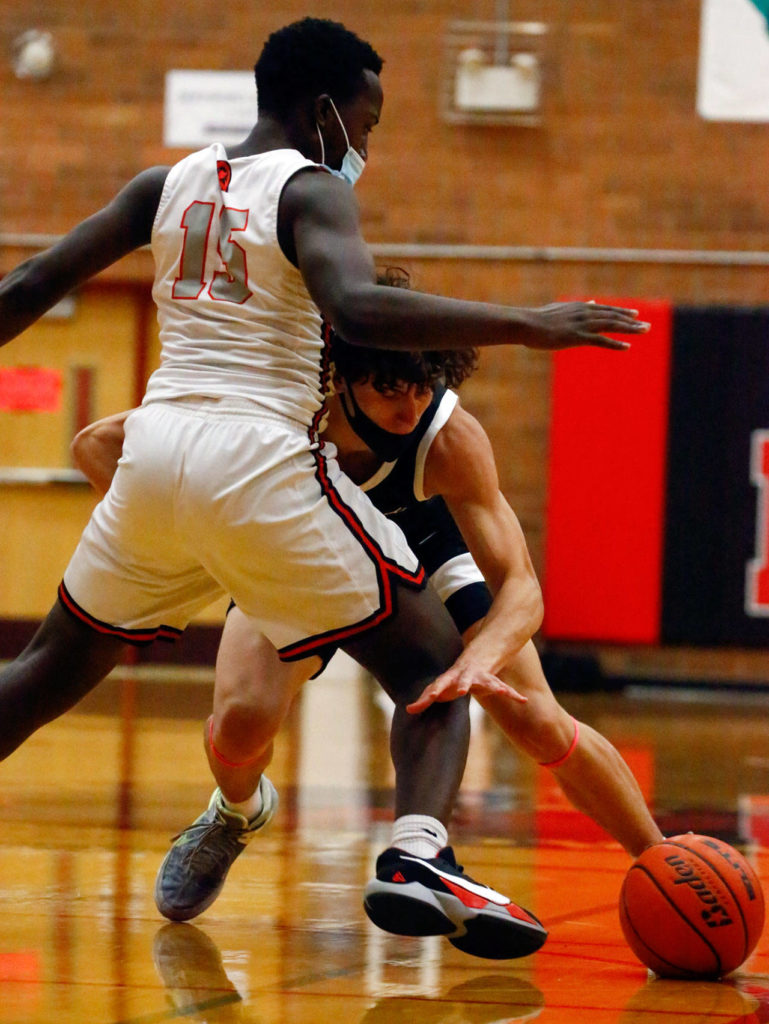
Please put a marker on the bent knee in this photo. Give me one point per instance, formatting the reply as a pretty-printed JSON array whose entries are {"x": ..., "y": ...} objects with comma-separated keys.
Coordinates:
[
  {"x": 242, "y": 721},
  {"x": 538, "y": 727}
]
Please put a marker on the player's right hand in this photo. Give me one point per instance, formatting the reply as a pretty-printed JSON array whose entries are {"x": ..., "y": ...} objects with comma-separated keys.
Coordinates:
[{"x": 459, "y": 681}]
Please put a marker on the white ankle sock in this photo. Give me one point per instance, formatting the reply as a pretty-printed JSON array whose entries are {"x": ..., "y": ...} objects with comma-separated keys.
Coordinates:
[
  {"x": 419, "y": 834},
  {"x": 250, "y": 809}
]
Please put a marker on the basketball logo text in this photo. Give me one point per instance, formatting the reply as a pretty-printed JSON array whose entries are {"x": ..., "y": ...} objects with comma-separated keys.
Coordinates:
[{"x": 714, "y": 915}]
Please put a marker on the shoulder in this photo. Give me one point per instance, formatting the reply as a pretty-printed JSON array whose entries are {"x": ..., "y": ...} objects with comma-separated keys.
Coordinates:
[
  {"x": 135, "y": 205},
  {"x": 146, "y": 187},
  {"x": 312, "y": 191},
  {"x": 460, "y": 457}
]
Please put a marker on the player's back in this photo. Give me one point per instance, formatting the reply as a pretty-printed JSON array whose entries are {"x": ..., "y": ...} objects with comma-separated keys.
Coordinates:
[{"x": 235, "y": 317}]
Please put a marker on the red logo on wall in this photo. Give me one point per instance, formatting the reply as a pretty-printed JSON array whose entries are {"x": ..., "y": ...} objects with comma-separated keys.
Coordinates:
[
  {"x": 757, "y": 582},
  {"x": 30, "y": 389}
]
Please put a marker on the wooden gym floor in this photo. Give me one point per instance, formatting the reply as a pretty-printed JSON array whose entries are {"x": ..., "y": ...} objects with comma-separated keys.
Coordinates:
[{"x": 88, "y": 805}]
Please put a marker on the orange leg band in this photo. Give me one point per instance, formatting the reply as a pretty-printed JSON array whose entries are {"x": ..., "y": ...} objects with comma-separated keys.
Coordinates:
[
  {"x": 557, "y": 763},
  {"x": 221, "y": 757}
]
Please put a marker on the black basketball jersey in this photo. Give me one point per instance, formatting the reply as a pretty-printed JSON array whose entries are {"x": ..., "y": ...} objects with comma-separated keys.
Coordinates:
[
  {"x": 399, "y": 485},
  {"x": 397, "y": 489}
]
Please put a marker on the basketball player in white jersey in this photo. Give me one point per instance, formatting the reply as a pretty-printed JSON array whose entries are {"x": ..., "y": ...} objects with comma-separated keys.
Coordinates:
[
  {"x": 403, "y": 436},
  {"x": 252, "y": 244}
]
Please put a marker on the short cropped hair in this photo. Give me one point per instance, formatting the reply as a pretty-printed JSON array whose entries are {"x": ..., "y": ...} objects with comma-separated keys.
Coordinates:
[
  {"x": 388, "y": 368},
  {"x": 308, "y": 58}
]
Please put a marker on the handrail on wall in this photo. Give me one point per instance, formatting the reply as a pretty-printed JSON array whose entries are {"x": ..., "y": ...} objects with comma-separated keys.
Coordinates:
[
  {"x": 573, "y": 254},
  {"x": 511, "y": 253},
  {"x": 23, "y": 476}
]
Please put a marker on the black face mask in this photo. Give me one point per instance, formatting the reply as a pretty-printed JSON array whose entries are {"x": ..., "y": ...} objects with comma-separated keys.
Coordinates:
[{"x": 384, "y": 443}]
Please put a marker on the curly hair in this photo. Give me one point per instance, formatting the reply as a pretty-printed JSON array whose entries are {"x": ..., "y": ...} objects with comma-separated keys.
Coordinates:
[
  {"x": 387, "y": 368},
  {"x": 310, "y": 57}
]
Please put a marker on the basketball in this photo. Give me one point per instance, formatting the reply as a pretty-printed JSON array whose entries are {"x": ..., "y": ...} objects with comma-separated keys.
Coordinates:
[{"x": 691, "y": 907}]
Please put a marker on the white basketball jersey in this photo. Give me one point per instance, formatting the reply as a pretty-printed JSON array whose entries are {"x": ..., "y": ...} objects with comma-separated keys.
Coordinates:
[{"x": 236, "y": 320}]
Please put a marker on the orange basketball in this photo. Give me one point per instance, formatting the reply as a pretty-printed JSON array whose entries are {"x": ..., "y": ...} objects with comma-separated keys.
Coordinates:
[{"x": 691, "y": 907}]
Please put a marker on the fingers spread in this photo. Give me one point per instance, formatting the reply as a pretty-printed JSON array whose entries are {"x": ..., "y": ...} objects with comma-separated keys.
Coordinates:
[{"x": 451, "y": 687}]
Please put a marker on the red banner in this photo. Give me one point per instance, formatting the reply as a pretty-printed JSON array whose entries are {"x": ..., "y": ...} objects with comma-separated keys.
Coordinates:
[{"x": 606, "y": 494}]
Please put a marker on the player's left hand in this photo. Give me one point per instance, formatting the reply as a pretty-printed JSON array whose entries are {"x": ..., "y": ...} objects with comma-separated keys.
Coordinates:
[{"x": 459, "y": 682}]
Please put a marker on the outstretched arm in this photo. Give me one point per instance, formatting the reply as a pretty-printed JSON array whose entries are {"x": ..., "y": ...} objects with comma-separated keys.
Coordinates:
[
  {"x": 125, "y": 224},
  {"x": 500, "y": 662},
  {"x": 461, "y": 466},
  {"x": 319, "y": 217}
]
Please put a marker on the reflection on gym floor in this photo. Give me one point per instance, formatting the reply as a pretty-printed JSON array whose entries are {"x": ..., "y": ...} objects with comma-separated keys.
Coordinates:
[{"x": 89, "y": 804}]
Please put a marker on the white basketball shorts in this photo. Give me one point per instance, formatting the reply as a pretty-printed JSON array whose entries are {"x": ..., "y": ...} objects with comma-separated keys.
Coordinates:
[{"x": 213, "y": 498}]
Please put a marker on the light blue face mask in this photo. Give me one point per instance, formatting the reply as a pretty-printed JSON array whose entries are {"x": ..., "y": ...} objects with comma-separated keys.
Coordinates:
[{"x": 352, "y": 162}]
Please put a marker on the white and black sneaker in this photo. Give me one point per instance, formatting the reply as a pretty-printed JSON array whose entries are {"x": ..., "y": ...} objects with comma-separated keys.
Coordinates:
[{"x": 416, "y": 896}]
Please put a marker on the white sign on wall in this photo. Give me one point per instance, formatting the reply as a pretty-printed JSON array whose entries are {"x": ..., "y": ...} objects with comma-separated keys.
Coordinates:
[
  {"x": 733, "y": 80},
  {"x": 202, "y": 107}
]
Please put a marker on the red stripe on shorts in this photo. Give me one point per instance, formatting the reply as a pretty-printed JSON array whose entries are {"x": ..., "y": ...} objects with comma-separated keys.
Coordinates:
[{"x": 131, "y": 636}]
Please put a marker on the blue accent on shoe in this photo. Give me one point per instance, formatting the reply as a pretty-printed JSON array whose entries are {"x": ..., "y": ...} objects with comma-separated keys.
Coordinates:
[{"x": 195, "y": 868}]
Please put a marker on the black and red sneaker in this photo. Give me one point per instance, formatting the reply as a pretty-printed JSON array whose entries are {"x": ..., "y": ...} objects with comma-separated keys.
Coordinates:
[{"x": 415, "y": 896}]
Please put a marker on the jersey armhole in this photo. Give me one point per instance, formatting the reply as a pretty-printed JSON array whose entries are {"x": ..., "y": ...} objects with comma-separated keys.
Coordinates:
[{"x": 444, "y": 410}]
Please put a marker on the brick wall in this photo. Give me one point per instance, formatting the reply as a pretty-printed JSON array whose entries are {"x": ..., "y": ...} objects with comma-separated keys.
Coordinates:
[{"x": 620, "y": 160}]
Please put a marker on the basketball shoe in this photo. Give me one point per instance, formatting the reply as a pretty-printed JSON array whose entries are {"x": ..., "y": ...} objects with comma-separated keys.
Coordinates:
[
  {"x": 194, "y": 869},
  {"x": 416, "y": 896}
]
